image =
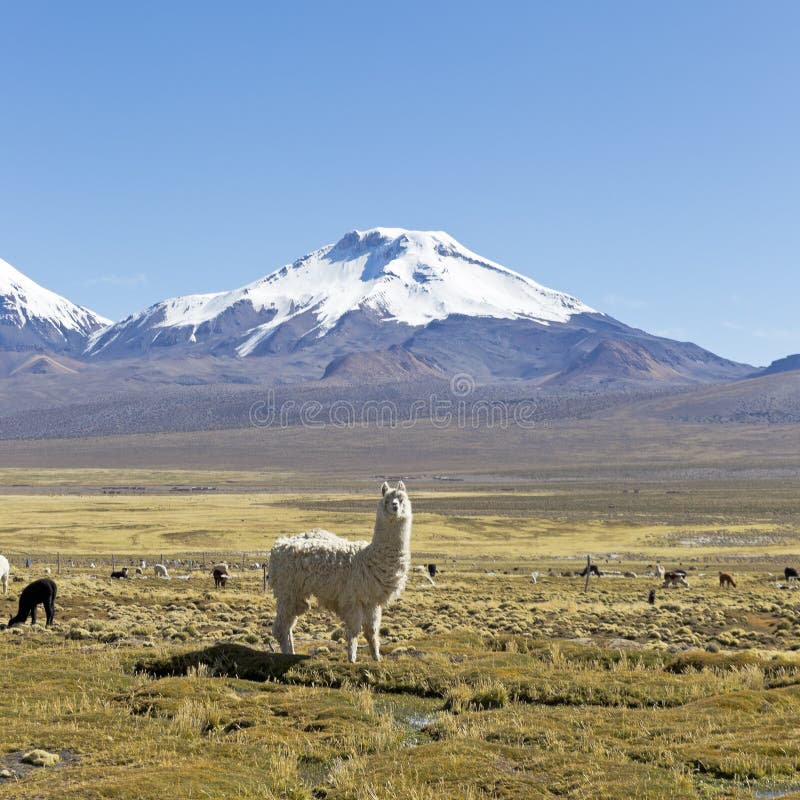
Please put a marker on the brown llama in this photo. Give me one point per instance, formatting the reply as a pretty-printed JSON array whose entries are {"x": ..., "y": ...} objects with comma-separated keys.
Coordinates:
[{"x": 726, "y": 580}]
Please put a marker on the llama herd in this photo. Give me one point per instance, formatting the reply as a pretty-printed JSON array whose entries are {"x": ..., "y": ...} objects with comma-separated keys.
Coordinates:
[{"x": 354, "y": 579}]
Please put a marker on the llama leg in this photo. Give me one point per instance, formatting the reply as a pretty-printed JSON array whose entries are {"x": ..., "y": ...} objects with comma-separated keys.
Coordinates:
[
  {"x": 5, "y": 583},
  {"x": 50, "y": 612},
  {"x": 291, "y": 633},
  {"x": 285, "y": 619},
  {"x": 33, "y": 615},
  {"x": 353, "y": 621},
  {"x": 372, "y": 625}
]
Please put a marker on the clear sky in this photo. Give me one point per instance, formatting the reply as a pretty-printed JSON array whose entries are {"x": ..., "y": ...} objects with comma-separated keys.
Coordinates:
[{"x": 642, "y": 156}]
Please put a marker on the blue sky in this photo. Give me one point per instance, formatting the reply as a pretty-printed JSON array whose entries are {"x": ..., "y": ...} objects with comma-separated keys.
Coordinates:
[{"x": 642, "y": 156}]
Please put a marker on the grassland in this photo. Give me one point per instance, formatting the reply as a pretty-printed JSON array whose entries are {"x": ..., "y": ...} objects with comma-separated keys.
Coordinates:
[{"x": 492, "y": 685}]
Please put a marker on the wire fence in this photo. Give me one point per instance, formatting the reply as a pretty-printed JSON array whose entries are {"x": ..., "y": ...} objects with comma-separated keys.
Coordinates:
[{"x": 103, "y": 564}]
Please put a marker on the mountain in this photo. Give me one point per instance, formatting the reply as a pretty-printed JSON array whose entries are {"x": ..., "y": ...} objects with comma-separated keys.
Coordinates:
[
  {"x": 383, "y": 366},
  {"x": 787, "y": 364},
  {"x": 42, "y": 364},
  {"x": 407, "y": 279},
  {"x": 397, "y": 294},
  {"x": 773, "y": 398},
  {"x": 34, "y": 318},
  {"x": 616, "y": 359}
]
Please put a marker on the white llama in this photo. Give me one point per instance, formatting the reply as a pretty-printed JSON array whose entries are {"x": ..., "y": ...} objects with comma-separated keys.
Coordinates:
[
  {"x": 5, "y": 569},
  {"x": 353, "y": 579}
]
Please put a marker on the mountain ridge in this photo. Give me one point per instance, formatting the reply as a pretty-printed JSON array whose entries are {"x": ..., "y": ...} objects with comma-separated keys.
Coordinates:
[
  {"x": 389, "y": 304},
  {"x": 33, "y": 317}
]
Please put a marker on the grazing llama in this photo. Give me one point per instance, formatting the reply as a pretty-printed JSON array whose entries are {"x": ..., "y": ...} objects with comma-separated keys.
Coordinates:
[
  {"x": 355, "y": 580},
  {"x": 160, "y": 571},
  {"x": 5, "y": 570},
  {"x": 674, "y": 579},
  {"x": 790, "y": 573},
  {"x": 220, "y": 573},
  {"x": 41, "y": 592},
  {"x": 119, "y": 574},
  {"x": 726, "y": 580}
]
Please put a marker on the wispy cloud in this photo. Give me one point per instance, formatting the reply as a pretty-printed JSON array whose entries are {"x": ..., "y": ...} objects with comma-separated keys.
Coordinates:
[
  {"x": 763, "y": 333},
  {"x": 679, "y": 334},
  {"x": 613, "y": 300},
  {"x": 120, "y": 281}
]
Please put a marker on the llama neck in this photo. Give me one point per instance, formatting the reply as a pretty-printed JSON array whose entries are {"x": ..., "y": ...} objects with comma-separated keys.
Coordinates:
[{"x": 394, "y": 535}]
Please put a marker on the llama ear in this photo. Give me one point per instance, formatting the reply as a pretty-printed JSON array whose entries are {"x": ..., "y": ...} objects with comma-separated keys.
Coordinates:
[
  {"x": 384, "y": 488},
  {"x": 401, "y": 487}
]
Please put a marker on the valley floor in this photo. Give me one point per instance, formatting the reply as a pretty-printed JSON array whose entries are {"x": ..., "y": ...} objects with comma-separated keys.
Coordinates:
[{"x": 492, "y": 685}]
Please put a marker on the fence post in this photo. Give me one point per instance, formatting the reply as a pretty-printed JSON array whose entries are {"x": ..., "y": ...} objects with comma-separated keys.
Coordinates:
[
  {"x": 588, "y": 572},
  {"x": 113, "y": 563}
]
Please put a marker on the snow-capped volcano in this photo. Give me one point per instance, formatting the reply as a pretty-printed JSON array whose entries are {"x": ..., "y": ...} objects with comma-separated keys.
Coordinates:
[
  {"x": 389, "y": 275},
  {"x": 393, "y": 297},
  {"x": 34, "y": 317}
]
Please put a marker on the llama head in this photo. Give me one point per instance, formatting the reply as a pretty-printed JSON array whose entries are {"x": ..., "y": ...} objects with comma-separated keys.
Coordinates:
[{"x": 394, "y": 503}]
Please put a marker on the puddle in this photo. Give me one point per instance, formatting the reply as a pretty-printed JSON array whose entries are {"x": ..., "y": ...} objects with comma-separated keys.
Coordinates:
[
  {"x": 18, "y": 768},
  {"x": 412, "y": 715},
  {"x": 775, "y": 792}
]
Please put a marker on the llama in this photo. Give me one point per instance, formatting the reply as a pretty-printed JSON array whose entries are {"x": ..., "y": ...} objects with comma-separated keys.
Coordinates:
[
  {"x": 660, "y": 571},
  {"x": 5, "y": 570},
  {"x": 355, "y": 580},
  {"x": 675, "y": 579},
  {"x": 726, "y": 580},
  {"x": 160, "y": 571},
  {"x": 220, "y": 573},
  {"x": 41, "y": 592},
  {"x": 790, "y": 573},
  {"x": 119, "y": 574}
]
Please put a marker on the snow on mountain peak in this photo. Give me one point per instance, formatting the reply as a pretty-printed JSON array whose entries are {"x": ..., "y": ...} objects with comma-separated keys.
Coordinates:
[
  {"x": 403, "y": 276},
  {"x": 24, "y": 304}
]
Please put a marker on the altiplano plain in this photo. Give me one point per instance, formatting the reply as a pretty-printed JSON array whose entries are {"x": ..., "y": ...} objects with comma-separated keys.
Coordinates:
[{"x": 492, "y": 685}]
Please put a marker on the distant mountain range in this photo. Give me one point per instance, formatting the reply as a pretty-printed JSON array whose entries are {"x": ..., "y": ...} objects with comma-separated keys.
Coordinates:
[{"x": 378, "y": 305}]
